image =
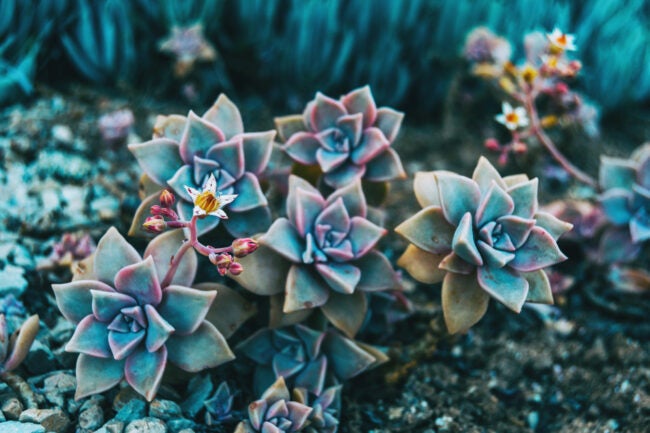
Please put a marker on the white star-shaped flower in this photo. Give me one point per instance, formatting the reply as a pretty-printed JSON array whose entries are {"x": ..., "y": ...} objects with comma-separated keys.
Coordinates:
[
  {"x": 512, "y": 118},
  {"x": 563, "y": 41},
  {"x": 208, "y": 201}
]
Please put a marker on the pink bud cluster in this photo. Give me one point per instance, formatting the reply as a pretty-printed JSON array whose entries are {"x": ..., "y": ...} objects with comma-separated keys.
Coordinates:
[
  {"x": 225, "y": 262},
  {"x": 162, "y": 216}
]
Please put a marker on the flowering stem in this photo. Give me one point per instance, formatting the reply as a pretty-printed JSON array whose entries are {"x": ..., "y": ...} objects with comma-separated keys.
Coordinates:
[{"x": 537, "y": 130}]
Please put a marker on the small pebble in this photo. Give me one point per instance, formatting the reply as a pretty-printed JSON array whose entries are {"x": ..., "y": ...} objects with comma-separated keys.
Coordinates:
[
  {"x": 21, "y": 427},
  {"x": 146, "y": 425},
  {"x": 53, "y": 420},
  {"x": 12, "y": 408}
]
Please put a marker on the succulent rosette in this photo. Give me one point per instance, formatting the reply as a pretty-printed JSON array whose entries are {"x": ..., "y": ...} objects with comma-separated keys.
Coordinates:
[
  {"x": 185, "y": 151},
  {"x": 349, "y": 138},
  {"x": 626, "y": 204},
  {"x": 128, "y": 326},
  {"x": 275, "y": 412},
  {"x": 326, "y": 407},
  {"x": 14, "y": 348},
  {"x": 322, "y": 255},
  {"x": 482, "y": 237},
  {"x": 307, "y": 358}
]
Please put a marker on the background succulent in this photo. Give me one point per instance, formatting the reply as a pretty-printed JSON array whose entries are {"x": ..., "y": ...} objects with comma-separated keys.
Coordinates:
[
  {"x": 218, "y": 408},
  {"x": 185, "y": 151},
  {"x": 14, "y": 348},
  {"x": 321, "y": 256},
  {"x": 307, "y": 358},
  {"x": 626, "y": 203},
  {"x": 349, "y": 139},
  {"x": 482, "y": 237},
  {"x": 326, "y": 406},
  {"x": 275, "y": 412},
  {"x": 128, "y": 326}
]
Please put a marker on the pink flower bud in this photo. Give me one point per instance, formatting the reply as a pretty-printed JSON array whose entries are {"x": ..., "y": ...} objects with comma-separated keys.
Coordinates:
[
  {"x": 519, "y": 147},
  {"x": 492, "y": 144},
  {"x": 167, "y": 199},
  {"x": 155, "y": 210},
  {"x": 236, "y": 268},
  {"x": 243, "y": 246},
  {"x": 562, "y": 88},
  {"x": 222, "y": 261},
  {"x": 155, "y": 224}
]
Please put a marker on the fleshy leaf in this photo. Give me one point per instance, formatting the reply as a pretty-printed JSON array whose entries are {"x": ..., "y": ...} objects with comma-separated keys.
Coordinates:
[
  {"x": 265, "y": 272},
  {"x": 75, "y": 299},
  {"x": 554, "y": 226},
  {"x": 335, "y": 216},
  {"x": 230, "y": 156},
  {"x": 458, "y": 195},
  {"x": 485, "y": 174},
  {"x": 158, "y": 330},
  {"x": 389, "y": 121},
  {"x": 373, "y": 142},
  {"x": 248, "y": 223},
  {"x": 198, "y": 137},
  {"x": 517, "y": 228},
  {"x": 169, "y": 127},
  {"x": 122, "y": 344},
  {"x": 376, "y": 273},
  {"x": 386, "y": 166},
  {"x": 250, "y": 194},
  {"x": 616, "y": 173},
  {"x": 185, "y": 308},
  {"x": 283, "y": 238},
  {"x": 524, "y": 196},
  {"x": 425, "y": 186},
  {"x": 230, "y": 310},
  {"x": 158, "y": 158},
  {"x": 21, "y": 343},
  {"x": 287, "y": 126},
  {"x": 464, "y": 302},
  {"x": 428, "y": 230},
  {"x": 353, "y": 198},
  {"x": 225, "y": 115},
  {"x": 505, "y": 285},
  {"x": 361, "y": 101},
  {"x": 141, "y": 215},
  {"x": 421, "y": 265},
  {"x": 304, "y": 290},
  {"x": 352, "y": 126},
  {"x": 90, "y": 337},
  {"x": 616, "y": 246},
  {"x": 464, "y": 244},
  {"x": 454, "y": 263},
  {"x": 302, "y": 147},
  {"x": 95, "y": 375},
  {"x": 144, "y": 370},
  {"x": 342, "y": 277},
  {"x": 205, "y": 348},
  {"x": 346, "y": 312},
  {"x": 140, "y": 281},
  {"x": 162, "y": 249},
  {"x": 112, "y": 254},
  {"x": 344, "y": 175},
  {"x": 106, "y": 305},
  {"x": 347, "y": 359},
  {"x": 539, "y": 287},
  {"x": 257, "y": 150},
  {"x": 539, "y": 251},
  {"x": 496, "y": 203},
  {"x": 330, "y": 160},
  {"x": 639, "y": 229},
  {"x": 325, "y": 112},
  {"x": 616, "y": 205},
  {"x": 183, "y": 177}
]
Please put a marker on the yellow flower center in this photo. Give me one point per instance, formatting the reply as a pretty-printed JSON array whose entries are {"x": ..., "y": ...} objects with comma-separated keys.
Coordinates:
[
  {"x": 207, "y": 201},
  {"x": 512, "y": 118}
]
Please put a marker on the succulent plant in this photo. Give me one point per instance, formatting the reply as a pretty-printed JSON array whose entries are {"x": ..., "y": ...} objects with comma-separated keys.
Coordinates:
[
  {"x": 348, "y": 138},
  {"x": 482, "y": 237},
  {"x": 116, "y": 126},
  {"x": 218, "y": 408},
  {"x": 326, "y": 407},
  {"x": 71, "y": 248},
  {"x": 14, "y": 348},
  {"x": 189, "y": 45},
  {"x": 307, "y": 358},
  {"x": 128, "y": 326},
  {"x": 320, "y": 256},
  {"x": 275, "y": 412},
  {"x": 626, "y": 204},
  {"x": 185, "y": 151}
]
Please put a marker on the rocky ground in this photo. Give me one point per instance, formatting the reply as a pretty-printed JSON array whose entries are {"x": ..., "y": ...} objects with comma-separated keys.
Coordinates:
[{"x": 583, "y": 366}]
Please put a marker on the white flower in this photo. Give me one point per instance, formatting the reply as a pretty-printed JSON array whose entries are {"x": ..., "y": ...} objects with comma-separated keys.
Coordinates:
[
  {"x": 563, "y": 41},
  {"x": 208, "y": 201},
  {"x": 512, "y": 119}
]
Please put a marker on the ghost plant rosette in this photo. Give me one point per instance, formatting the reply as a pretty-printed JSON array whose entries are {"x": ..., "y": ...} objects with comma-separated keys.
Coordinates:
[
  {"x": 128, "y": 325},
  {"x": 481, "y": 237},
  {"x": 185, "y": 151},
  {"x": 321, "y": 255},
  {"x": 349, "y": 138}
]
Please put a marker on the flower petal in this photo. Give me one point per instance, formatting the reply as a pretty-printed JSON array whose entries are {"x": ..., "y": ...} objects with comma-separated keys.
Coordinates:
[
  {"x": 302, "y": 147},
  {"x": 458, "y": 195},
  {"x": 90, "y": 337},
  {"x": 257, "y": 150},
  {"x": 162, "y": 249},
  {"x": 184, "y": 308},
  {"x": 96, "y": 375},
  {"x": 144, "y": 370},
  {"x": 204, "y": 348},
  {"x": 304, "y": 289},
  {"x": 344, "y": 175},
  {"x": 342, "y": 277},
  {"x": 140, "y": 281},
  {"x": 386, "y": 166},
  {"x": 539, "y": 251},
  {"x": 112, "y": 254},
  {"x": 539, "y": 287},
  {"x": 376, "y": 273},
  {"x": 505, "y": 285},
  {"x": 158, "y": 158},
  {"x": 283, "y": 238},
  {"x": 225, "y": 115},
  {"x": 428, "y": 230},
  {"x": 346, "y": 312},
  {"x": 287, "y": 126},
  {"x": 199, "y": 136},
  {"x": 420, "y": 264},
  {"x": 325, "y": 112},
  {"x": 364, "y": 235},
  {"x": 524, "y": 196},
  {"x": 361, "y": 101},
  {"x": 464, "y": 303},
  {"x": 373, "y": 142},
  {"x": 389, "y": 121},
  {"x": 75, "y": 299}
]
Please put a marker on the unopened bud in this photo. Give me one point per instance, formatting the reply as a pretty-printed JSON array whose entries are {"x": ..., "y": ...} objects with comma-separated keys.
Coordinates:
[
  {"x": 155, "y": 224},
  {"x": 163, "y": 211},
  {"x": 492, "y": 144},
  {"x": 243, "y": 247},
  {"x": 222, "y": 261},
  {"x": 529, "y": 74},
  {"x": 562, "y": 88},
  {"x": 507, "y": 85},
  {"x": 236, "y": 268},
  {"x": 167, "y": 199},
  {"x": 519, "y": 147}
]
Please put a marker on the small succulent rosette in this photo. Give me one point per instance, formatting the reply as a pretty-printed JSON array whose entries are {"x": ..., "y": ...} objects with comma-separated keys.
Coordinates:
[
  {"x": 307, "y": 358},
  {"x": 14, "y": 348},
  {"x": 326, "y": 406},
  {"x": 275, "y": 412},
  {"x": 185, "y": 151},
  {"x": 626, "y": 204},
  {"x": 128, "y": 325},
  {"x": 348, "y": 138},
  {"x": 321, "y": 256},
  {"x": 482, "y": 237}
]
